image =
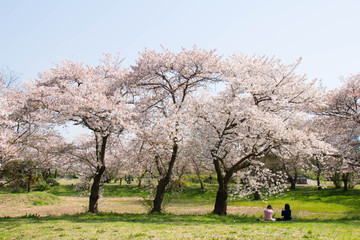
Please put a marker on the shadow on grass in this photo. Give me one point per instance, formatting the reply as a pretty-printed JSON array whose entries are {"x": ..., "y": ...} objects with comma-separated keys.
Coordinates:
[{"x": 167, "y": 219}]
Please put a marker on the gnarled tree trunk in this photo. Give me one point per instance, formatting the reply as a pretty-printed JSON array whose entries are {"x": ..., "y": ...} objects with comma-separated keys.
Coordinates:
[
  {"x": 95, "y": 187},
  {"x": 163, "y": 182},
  {"x": 220, "y": 207}
]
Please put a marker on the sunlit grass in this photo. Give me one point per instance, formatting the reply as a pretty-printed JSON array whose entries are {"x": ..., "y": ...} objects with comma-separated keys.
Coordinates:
[
  {"x": 165, "y": 226},
  {"x": 60, "y": 214}
]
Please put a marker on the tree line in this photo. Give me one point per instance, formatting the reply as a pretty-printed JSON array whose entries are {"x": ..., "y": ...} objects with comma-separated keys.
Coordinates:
[{"x": 253, "y": 118}]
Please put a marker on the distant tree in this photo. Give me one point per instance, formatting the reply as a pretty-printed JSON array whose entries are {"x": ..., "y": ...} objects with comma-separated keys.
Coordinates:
[
  {"x": 342, "y": 119},
  {"x": 26, "y": 145},
  {"x": 36, "y": 155},
  {"x": 17, "y": 121},
  {"x": 10, "y": 79},
  {"x": 198, "y": 160}
]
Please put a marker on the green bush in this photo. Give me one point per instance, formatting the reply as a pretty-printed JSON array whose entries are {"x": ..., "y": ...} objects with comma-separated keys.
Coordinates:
[
  {"x": 39, "y": 203},
  {"x": 52, "y": 182},
  {"x": 41, "y": 187},
  {"x": 193, "y": 178}
]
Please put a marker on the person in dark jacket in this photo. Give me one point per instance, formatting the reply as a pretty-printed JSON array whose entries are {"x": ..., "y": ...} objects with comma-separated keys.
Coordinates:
[{"x": 286, "y": 214}]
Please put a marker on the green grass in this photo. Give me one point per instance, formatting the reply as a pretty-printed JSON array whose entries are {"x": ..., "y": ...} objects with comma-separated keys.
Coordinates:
[
  {"x": 325, "y": 214},
  {"x": 166, "y": 226},
  {"x": 34, "y": 198},
  {"x": 310, "y": 203},
  {"x": 63, "y": 190},
  {"x": 112, "y": 190}
]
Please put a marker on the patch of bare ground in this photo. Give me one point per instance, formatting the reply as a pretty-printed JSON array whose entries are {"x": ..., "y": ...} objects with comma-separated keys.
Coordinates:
[
  {"x": 245, "y": 210},
  {"x": 72, "y": 205},
  {"x": 19, "y": 207}
]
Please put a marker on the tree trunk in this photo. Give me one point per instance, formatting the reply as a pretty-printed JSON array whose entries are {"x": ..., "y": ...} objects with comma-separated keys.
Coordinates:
[
  {"x": 198, "y": 174},
  {"x": 140, "y": 179},
  {"x": 95, "y": 187},
  {"x": 318, "y": 174},
  {"x": 46, "y": 174},
  {"x": 222, "y": 194},
  {"x": 220, "y": 207},
  {"x": 55, "y": 174},
  {"x": 201, "y": 182},
  {"x": 345, "y": 177},
  {"x": 293, "y": 181},
  {"x": 257, "y": 196},
  {"x": 120, "y": 181},
  {"x": 163, "y": 182},
  {"x": 180, "y": 184},
  {"x": 160, "y": 193},
  {"x": 29, "y": 182},
  {"x": 336, "y": 180},
  {"x": 318, "y": 182}
]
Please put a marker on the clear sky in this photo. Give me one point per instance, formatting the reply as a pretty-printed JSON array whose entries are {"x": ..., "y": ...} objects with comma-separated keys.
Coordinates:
[{"x": 325, "y": 33}]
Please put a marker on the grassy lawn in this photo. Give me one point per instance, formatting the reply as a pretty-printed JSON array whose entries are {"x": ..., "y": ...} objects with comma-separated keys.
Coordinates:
[
  {"x": 169, "y": 226},
  {"x": 59, "y": 213}
]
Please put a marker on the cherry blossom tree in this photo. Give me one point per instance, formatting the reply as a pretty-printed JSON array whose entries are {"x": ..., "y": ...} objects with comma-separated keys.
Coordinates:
[
  {"x": 259, "y": 180},
  {"x": 93, "y": 97},
  {"x": 343, "y": 136},
  {"x": 234, "y": 138},
  {"x": 80, "y": 159},
  {"x": 10, "y": 79},
  {"x": 252, "y": 115},
  {"x": 344, "y": 103},
  {"x": 344, "y": 116},
  {"x": 25, "y": 142},
  {"x": 35, "y": 156},
  {"x": 17, "y": 120},
  {"x": 197, "y": 158},
  {"x": 5, "y": 133},
  {"x": 164, "y": 81}
]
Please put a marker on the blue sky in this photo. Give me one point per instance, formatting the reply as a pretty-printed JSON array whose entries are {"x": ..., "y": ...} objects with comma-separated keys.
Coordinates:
[
  {"x": 325, "y": 33},
  {"x": 35, "y": 34}
]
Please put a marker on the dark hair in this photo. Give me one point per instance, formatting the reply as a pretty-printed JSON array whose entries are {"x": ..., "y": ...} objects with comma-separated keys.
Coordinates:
[
  {"x": 269, "y": 207},
  {"x": 287, "y": 206}
]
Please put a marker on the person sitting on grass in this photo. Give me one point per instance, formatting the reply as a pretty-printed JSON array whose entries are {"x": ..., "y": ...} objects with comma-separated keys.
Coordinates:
[
  {"x": 268, "y": 214},
  {"x": 285, "y": 213}
]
